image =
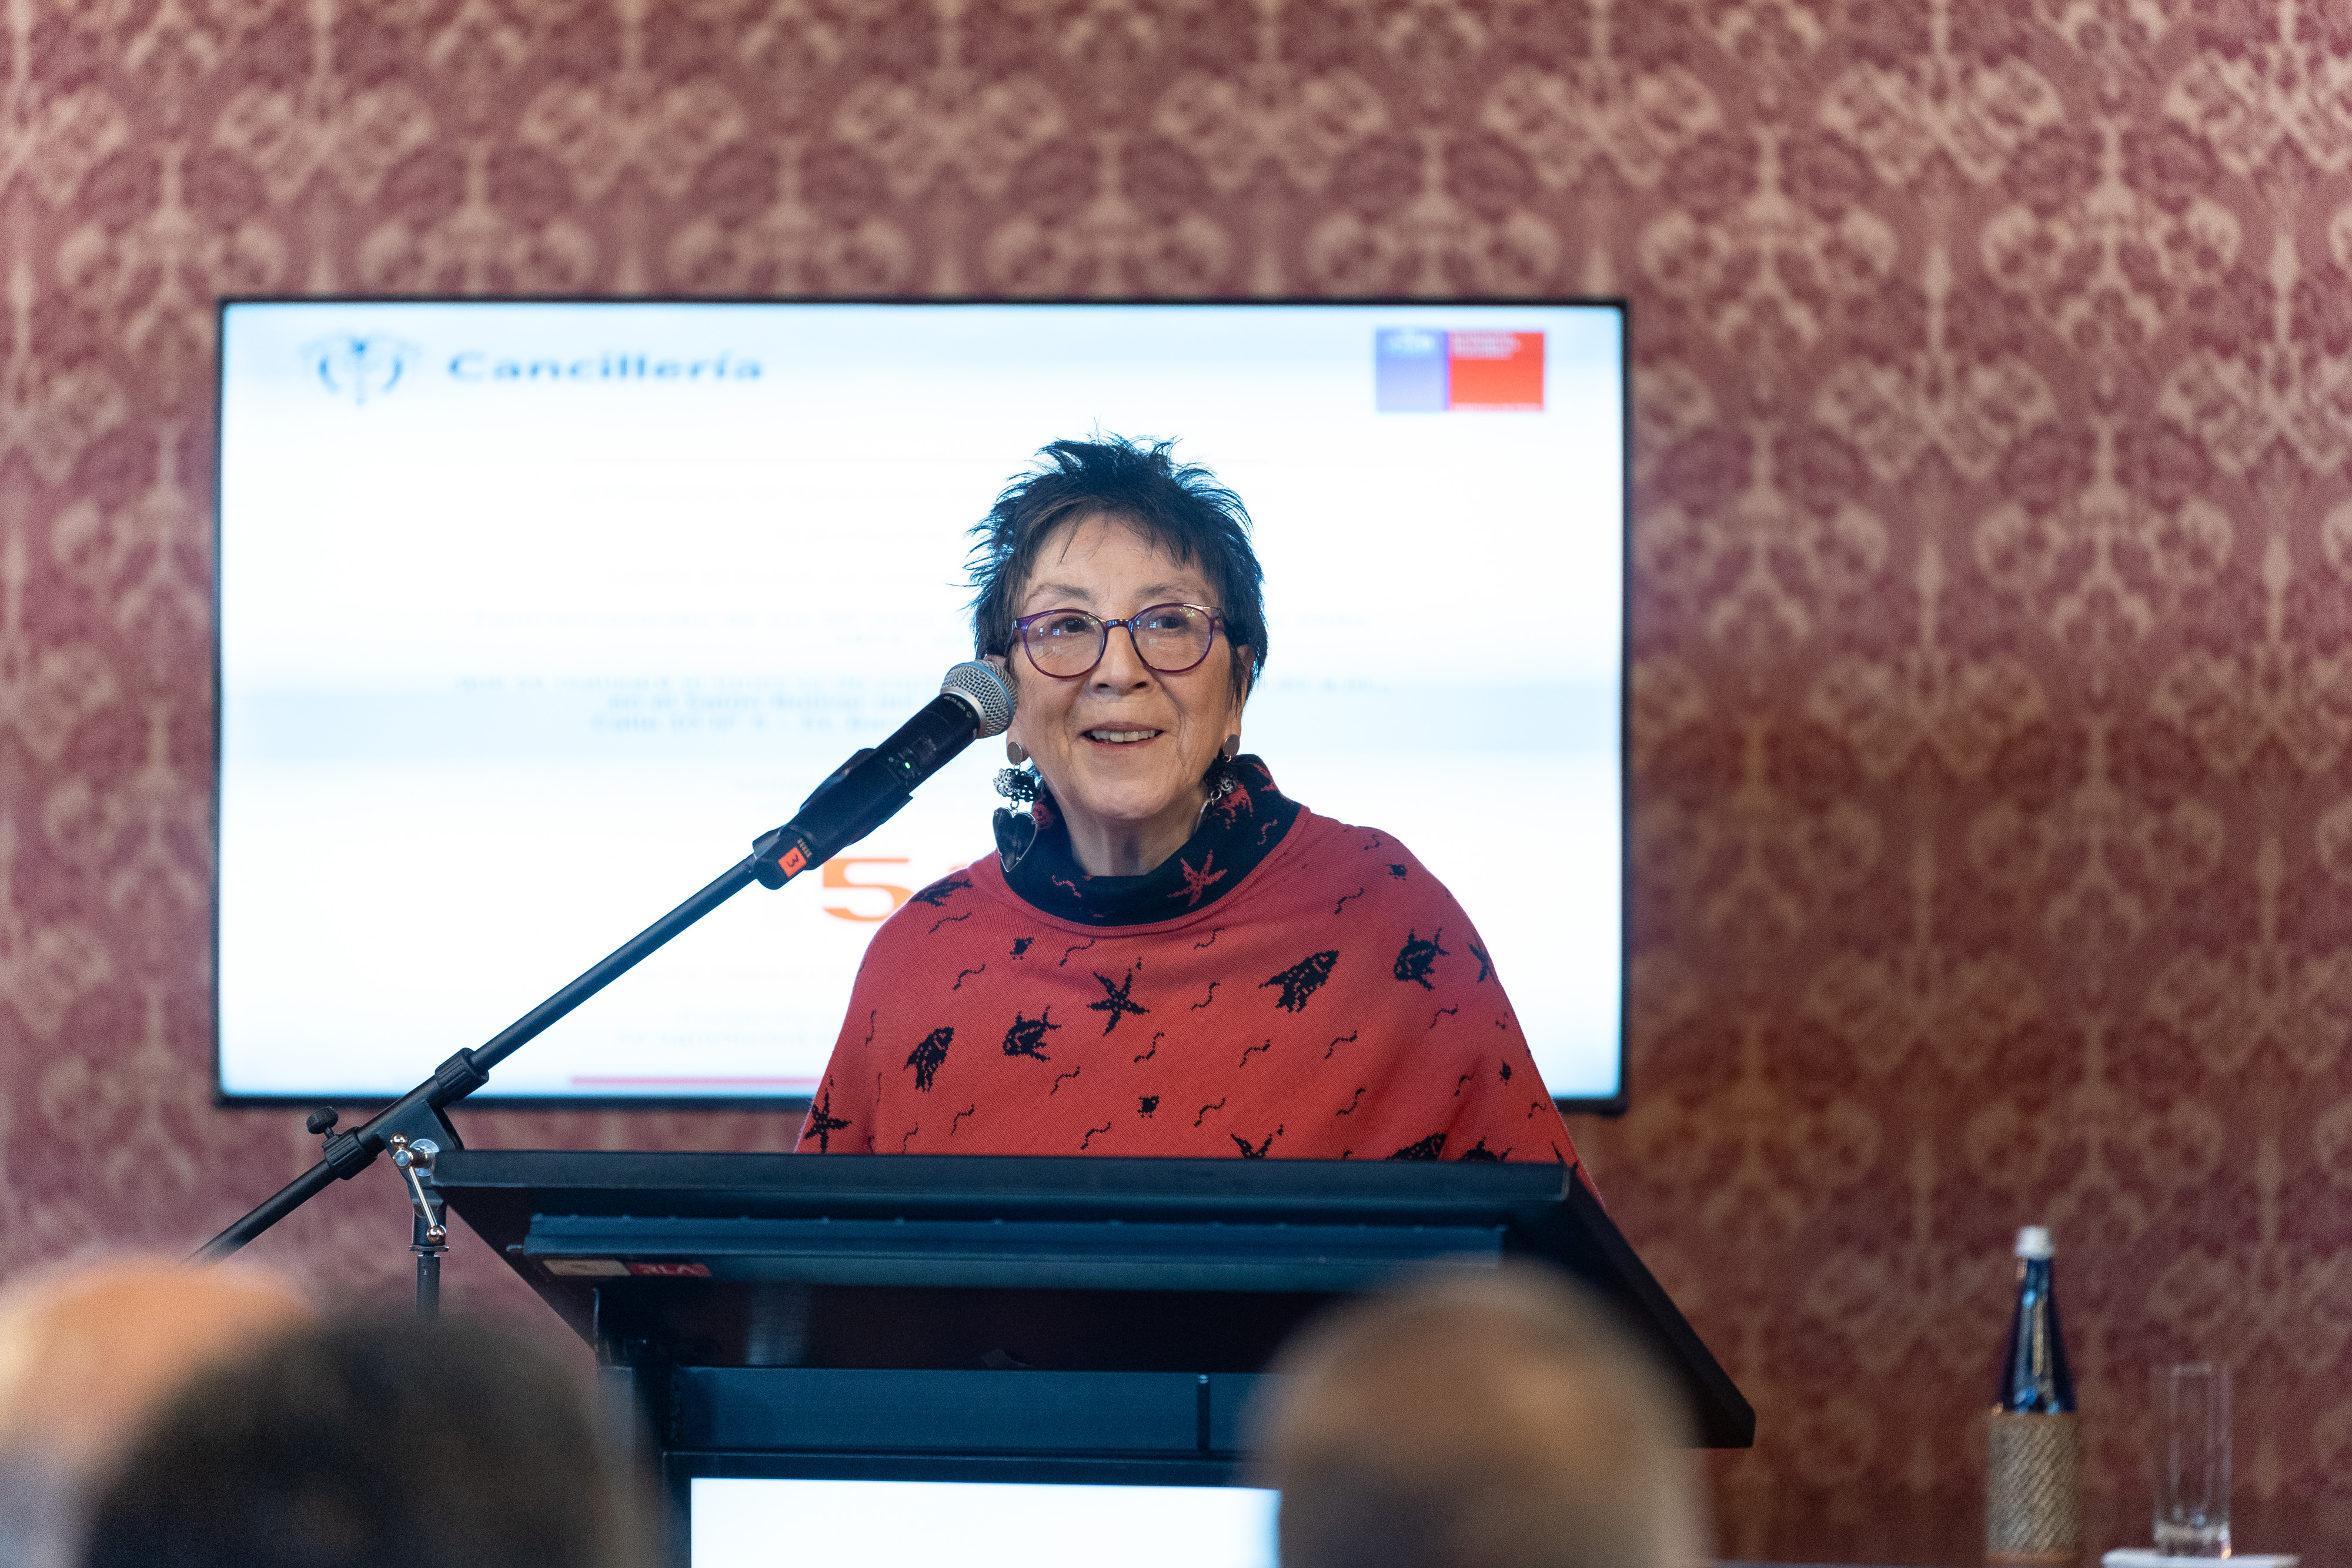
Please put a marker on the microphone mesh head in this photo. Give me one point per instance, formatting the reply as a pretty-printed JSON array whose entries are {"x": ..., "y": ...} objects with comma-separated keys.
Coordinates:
[{"x": 988, "y": 694}]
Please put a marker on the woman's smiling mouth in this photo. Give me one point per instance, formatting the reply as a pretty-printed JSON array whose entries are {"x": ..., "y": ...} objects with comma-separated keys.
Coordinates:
[{"x": 1120, "y": 736}]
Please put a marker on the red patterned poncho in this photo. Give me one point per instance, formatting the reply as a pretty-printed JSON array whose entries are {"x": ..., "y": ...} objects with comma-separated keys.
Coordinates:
[{"x": 1284, "y": 985}]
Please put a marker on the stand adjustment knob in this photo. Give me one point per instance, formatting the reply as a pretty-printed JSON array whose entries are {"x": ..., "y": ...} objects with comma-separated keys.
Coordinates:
[
  {"x": 322, "y": 1121},
  {"x": 345, "y": 1157},
  {"x": 415, "y": 1159}
]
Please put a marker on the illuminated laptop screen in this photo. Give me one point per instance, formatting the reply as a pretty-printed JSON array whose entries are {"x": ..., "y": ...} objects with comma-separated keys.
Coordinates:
[
  {"x": 533, "y": 615},
  {"x": 978, "y": 1525}
]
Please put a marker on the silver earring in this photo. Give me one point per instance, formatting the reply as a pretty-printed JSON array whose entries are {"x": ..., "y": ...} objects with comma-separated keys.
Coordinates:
[
  {"x": 1014, "y": 752},
  {"x": 1232, "y": 748}
]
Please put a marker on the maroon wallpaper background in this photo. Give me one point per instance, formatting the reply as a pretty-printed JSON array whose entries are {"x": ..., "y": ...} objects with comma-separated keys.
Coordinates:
[{"x": 1993, "y": 720}]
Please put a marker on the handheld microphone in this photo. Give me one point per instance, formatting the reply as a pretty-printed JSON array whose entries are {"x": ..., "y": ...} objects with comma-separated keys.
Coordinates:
[{"x": 868, "y": 789}]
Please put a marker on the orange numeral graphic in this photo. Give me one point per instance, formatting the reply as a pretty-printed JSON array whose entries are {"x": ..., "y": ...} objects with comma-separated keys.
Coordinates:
[{"x": 836, "y": 875}]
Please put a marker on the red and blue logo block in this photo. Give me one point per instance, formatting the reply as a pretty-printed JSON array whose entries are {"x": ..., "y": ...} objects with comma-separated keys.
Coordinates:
[{"x": 1418, "y": 370}]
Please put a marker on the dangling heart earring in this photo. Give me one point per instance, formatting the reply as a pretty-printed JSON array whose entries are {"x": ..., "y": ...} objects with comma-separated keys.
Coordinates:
[{"x": 1014, "y": 752}]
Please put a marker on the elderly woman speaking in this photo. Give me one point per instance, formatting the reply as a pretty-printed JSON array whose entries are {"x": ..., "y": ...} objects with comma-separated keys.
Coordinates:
[{"x": 1166, "y": 955}]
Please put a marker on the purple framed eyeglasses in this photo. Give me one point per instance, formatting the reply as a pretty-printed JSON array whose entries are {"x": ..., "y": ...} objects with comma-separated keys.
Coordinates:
[{"x": 1169, "y": 638}]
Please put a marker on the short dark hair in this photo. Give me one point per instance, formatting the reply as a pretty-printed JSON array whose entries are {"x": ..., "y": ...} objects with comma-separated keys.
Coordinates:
[
  {"x": 1478, "y": 1421},
  {"x": 1179, "y": 508},
  {"x": 442, "y": 1442}
]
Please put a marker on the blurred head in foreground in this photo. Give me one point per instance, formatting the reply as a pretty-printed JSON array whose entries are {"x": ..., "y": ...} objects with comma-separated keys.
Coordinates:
[
  {"x": 88, "y": 1354},
  {"x": 388, "y": 1440},
  {"x": 1479, "y": 1421}
]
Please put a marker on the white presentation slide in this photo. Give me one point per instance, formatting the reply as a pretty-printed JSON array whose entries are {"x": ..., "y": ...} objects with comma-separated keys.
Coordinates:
[
  {"x": 533, "y": 616},
  {"x": 923, "y": 1524}
]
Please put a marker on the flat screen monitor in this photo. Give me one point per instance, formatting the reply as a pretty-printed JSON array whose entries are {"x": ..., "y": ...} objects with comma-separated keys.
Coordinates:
[
  {"x": 784, "y": 1524},
  {"x": 533, "y": 614}
]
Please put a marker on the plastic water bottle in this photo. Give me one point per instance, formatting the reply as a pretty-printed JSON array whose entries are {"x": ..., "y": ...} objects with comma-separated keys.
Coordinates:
[{"x": 2033, "y": 1514}]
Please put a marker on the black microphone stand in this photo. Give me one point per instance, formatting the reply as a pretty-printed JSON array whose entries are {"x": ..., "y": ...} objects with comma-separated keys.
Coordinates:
[
  {"x": 859, "y": 796},
  {"x": 415, "y": 1127}
]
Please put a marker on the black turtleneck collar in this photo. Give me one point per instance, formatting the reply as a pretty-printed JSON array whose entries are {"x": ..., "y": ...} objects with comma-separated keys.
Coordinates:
[{"x": 1237, "y": 830}]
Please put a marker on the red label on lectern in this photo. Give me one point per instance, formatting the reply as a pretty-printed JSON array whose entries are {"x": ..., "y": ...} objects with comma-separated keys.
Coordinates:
[{"x": 672, "y": 1270}]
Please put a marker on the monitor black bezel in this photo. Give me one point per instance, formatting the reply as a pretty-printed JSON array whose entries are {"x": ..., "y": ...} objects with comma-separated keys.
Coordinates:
[{"x": 1608, "y": 1105}]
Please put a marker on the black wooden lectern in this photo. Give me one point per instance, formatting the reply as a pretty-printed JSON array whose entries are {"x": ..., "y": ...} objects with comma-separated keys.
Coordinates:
[{"x": 1003, "y": 1318}]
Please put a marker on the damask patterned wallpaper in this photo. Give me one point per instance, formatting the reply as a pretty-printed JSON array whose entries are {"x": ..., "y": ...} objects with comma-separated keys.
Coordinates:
[{"x": 1994, "y": 610}]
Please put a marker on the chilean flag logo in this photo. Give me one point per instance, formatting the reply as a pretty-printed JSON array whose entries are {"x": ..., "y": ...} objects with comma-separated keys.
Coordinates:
[{"x": 1418, "y": 370}]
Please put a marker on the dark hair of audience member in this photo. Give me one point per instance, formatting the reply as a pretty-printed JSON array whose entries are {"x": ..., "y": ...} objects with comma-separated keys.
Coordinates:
[
  {"x": 1479, "y": 1421},
  {"x": 385, "y": 1441}
]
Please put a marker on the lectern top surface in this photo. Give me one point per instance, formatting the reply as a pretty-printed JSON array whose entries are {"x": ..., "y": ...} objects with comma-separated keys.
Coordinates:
[{"x": 1346, "y": 1191}]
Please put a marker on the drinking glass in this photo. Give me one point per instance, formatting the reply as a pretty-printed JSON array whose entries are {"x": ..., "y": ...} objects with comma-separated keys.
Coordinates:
[{"x": 2192, "y": 1459}]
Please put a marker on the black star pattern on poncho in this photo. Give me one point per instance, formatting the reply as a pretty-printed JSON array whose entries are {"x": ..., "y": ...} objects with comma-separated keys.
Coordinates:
[
  {"x": 1027, "y": 1034},
  {"x": 1485, "y": 967},
  {"x": 1115, "y": 1000},
  {"x": 938, "y": 892},
  {"x": 1479, "y": 1152},
  {"x": 1259, "y": 1152},
  {"x": 824, "y": 1122},
  {"x": 927, "y": 1054},
  {"x": 1416, "y": 958},
  {"x": 1302, "y": 980},
  {"x": 1393, "y": 1072}
]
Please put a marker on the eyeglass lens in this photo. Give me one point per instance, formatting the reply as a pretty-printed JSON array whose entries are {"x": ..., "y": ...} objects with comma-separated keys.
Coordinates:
[{"x": 1170, "y": 638}]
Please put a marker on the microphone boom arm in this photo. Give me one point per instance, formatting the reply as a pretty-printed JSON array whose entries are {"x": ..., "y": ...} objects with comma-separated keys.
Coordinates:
[
  {"x": 418, "y": 1112},
  {"x": 830, "y": 821}
]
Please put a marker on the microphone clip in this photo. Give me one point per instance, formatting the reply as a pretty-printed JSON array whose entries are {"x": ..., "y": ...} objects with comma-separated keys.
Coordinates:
[{"x": 782, "y": 853}]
